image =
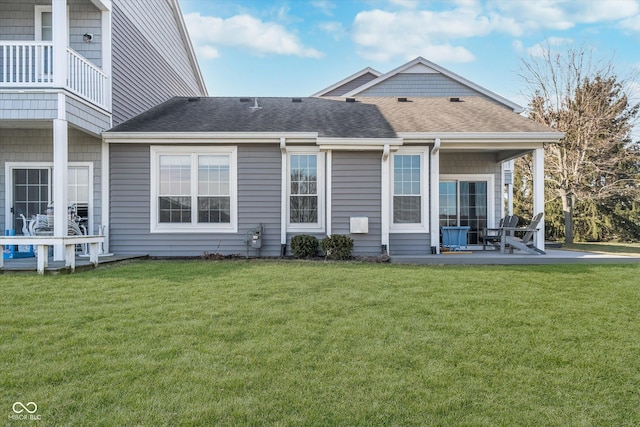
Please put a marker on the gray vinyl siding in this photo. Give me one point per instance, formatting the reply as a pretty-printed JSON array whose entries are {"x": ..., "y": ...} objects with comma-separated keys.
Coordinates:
[
  {"x": 259, "y": 171},
  {"x": 351, "y": 85},
  {"x": 17, "y": 22},
  {"x": 150, "y": 61},
  {"x": 356, "y": 184},
  {"x": 85, "y": 117},
  {"x": 36, "y": 145},
  {"x": 28, "y": 106},
  {"x": 421, "y": 85},
  {"x": 409, "y": 244}
]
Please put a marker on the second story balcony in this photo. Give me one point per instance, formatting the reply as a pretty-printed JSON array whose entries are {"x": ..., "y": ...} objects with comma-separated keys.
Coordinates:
[{"x": 30, "y": 64}]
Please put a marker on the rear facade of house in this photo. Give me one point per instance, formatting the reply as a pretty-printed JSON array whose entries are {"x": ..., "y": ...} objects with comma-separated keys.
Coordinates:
[{"x": 384, "y": 158}]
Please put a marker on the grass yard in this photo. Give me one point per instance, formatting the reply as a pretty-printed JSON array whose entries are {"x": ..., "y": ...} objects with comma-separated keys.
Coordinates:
[{"x": 158, "y": 343}]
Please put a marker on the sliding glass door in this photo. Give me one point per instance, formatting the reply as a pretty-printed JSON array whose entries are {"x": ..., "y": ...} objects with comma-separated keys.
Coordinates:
[{"x": 465, "y": 202}]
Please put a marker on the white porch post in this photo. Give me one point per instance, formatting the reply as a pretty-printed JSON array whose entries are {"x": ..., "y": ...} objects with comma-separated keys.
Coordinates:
[
  {"x": 434, "y": 196},
  {"x": 59, "y": 38},
  {"x": 106, "y": 54},
  {"x": 60, "y": 126},
  {"x": 385, "y": 199},
  {"x": 538, "y": 193},
  {"x": 283, "y": 196},
  {"x": 60, "y": 175}
]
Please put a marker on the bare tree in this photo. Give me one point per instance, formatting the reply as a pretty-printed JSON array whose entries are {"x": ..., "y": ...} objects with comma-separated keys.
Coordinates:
[{"x": 572, "y": 93}]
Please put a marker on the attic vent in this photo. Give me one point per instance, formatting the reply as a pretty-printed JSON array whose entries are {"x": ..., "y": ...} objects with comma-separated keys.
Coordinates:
[
  {"x": 296, "y": 99},
  {"x": 454, "y": 100},
  {"x": 350, "y": 100},
  {"x": 193, "y": 99},
  {"x": 403, "y": 100},
  {"x": 245, "y": 99}
]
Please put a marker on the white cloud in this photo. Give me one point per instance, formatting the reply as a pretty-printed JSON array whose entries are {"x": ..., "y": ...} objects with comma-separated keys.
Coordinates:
[
  {"x": 325, "y": 6},
  {"x": 334, "y": 28},
  {"x": 382, "y": 35},
  {"x": 539, "y": 49},
  {"x": 244, "y": 31}
]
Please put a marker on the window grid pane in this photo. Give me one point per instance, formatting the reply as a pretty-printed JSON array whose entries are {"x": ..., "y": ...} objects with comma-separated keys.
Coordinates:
[
  {"x": 303, "y": 200},
  {"x": 175, "y": 209},
  {"x": 407, "y": 198}
]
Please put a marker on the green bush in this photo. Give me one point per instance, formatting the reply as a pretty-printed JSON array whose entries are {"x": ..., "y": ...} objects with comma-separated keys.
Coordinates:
[
  {"x": 337, "y": 246},
  {"x": 304, "y": 246}
]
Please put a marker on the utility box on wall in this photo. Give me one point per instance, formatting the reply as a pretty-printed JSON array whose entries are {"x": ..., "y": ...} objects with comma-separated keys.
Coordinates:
[{"x": 359, "y": 224}]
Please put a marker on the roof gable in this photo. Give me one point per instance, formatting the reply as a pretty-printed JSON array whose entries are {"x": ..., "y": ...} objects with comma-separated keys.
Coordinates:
[
  {"x": 350, "y": 83},
  {"x": 430, "y": 71}
]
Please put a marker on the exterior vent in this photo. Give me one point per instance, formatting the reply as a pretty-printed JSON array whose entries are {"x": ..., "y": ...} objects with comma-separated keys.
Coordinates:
[
  {"x": 193, "y": 99},
  {"x": 403, "y": 100},
  {"x": 454, "y": 100},
  {"x": 296, "y": 99},
  {"x": 350, "y": 100},
  {"x": 245, "y": 99}
]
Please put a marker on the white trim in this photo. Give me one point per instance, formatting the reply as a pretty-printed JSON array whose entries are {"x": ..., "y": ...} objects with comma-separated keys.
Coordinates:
[
  {"x": 491, "y": 190},
  {"x": 319, "y": 226},
  {"x": 419, "y": 60},
  {"x": 434, "y": 196},
  {"x": 206, "y": 137},
  {"x": 329, "y": 175},
  {"x": 8, "y": 174},
  {"x": 452, "y": 137},
  {"x": 105, "y": 195},
  {"x": 385, "y": 196},
  {"x": 538, "y": 194},
  {"x": 194, "y": 227},
  {"x": 347, "y": 80},
  {"x": 283, "y": 191},
  {"x": 107, "y": 54},
  {"x": 37, "y": 20},
  {"x": 423, "y": 225}
]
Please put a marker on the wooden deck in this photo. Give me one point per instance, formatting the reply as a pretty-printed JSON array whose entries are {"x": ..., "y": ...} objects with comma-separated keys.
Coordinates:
[{"x": 22, "y": 265}]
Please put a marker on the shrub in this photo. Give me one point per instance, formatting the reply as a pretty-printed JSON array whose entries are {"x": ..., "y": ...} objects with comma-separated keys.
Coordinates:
[
  {"x": 337, "y": 246},
  {"x": 304, "y": 246}
]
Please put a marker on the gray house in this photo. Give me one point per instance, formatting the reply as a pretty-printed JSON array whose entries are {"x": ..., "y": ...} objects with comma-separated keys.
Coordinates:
[
  {"x": 386, "y": 158},
  {"x": 69, "y": 70}
]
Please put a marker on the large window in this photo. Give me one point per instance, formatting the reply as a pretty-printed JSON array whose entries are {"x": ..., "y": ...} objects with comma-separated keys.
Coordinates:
[
  {"x": 193, "y": 189},
  {"x": 408, "y": 202},
  {"x": 305, "y": 191},
  {"x": 466, "y": 200}
]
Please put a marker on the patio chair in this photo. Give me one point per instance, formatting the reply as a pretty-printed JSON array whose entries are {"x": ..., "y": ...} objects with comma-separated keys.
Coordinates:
[
  {"x": 493, "y": 236},
  {"x": 525, "y": 242}
]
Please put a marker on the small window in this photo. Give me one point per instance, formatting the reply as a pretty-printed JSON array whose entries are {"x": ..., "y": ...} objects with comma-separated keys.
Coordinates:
[
  {"x": 193, "y": 191},
  {"x": 305, "y": 188},
  {"x": 408, "y": 197}
]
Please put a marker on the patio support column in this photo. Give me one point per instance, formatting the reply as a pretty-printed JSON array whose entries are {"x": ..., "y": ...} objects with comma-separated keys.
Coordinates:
[
  {"x": 538, "y": 193},
  {"x": 434, "y": 196},
  {"x": 60, "y": 176},
  {"x": 60, "y": 36},
  {"x": 106, "y": 54}
]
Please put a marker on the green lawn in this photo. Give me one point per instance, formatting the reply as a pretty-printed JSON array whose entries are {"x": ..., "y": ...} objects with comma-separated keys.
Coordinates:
[
  {"x": 157, "y": 343},
  {"x": 607, "y": 248}
]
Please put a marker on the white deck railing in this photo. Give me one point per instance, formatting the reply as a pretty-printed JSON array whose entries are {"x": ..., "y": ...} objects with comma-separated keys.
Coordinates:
[{"x": 30, "y": 64}]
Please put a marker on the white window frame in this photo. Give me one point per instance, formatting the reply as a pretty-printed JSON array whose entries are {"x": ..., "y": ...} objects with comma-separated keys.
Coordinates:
[
  {"x": 423, "y": 225},
  {"x": 38, "y": 11},
  {"x": 194, "y": 227},
  {"x": 319, "y": 226},
  {"x": 489, "y": 178},
  {"x": 10, "y": 166}
]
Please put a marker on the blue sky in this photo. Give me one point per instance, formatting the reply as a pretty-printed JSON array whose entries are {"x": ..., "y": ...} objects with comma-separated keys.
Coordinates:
[{"x": 298, "y": 47}]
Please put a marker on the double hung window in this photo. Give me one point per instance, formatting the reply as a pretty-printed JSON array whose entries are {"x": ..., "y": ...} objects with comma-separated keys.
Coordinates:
[
  {"x": 193, "y": 189},
  {"x": 408, "y": 201},
  {"x": 305, "y": 191}
]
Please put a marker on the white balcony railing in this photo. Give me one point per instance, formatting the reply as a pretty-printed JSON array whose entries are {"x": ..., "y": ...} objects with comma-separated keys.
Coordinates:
[{"x": 30, "y": 64}]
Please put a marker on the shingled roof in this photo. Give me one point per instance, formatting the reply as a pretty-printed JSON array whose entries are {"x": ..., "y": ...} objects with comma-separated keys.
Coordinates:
[
  {"x": 327, "y": 117},
  {"x": 443, "y": 114}
]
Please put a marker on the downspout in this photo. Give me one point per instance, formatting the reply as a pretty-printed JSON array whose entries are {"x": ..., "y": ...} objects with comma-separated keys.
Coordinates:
[
  {"x": 283, "y": 198},
  {"x": 434, "y": 229}
]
